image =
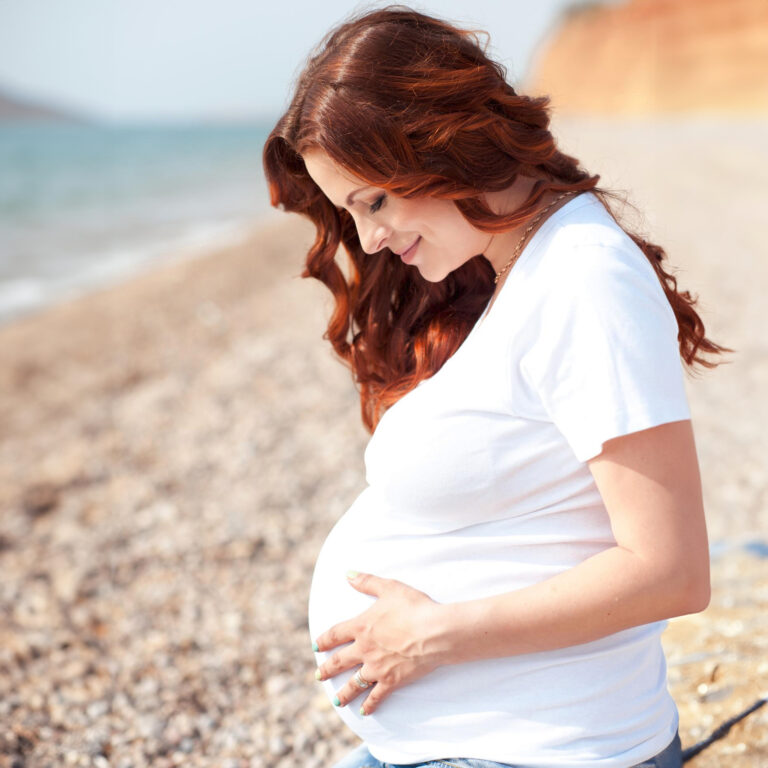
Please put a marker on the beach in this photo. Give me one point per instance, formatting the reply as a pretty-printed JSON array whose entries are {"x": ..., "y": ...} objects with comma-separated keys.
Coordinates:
[{"x": 175, "y": 448}]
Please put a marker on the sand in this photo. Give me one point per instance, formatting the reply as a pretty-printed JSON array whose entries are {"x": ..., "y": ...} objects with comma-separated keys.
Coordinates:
[{"x": 173, "y": 451}]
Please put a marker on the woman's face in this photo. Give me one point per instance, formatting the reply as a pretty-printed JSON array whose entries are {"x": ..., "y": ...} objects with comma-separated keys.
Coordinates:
[{"x": 427, "y": 232}]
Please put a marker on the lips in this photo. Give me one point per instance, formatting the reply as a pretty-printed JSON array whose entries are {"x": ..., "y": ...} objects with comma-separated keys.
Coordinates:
[{"x": 408, "y": 254}]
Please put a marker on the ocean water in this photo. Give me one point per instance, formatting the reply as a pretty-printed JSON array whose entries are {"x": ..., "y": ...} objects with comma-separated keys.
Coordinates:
[{"x": 83, "y": 205}]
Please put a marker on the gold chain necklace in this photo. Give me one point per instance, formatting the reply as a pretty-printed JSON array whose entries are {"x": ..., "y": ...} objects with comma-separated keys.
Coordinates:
[{"x": 519, "y": 246}]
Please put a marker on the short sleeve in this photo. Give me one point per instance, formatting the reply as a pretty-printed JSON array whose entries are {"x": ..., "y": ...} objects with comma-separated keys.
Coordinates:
[{"x": 606, "y": 361}]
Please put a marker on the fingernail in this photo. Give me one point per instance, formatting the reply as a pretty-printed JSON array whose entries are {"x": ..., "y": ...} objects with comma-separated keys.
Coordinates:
[
  {"x": 336, "y": 702},
  {"x": 318, "y": 675},
  {"x": 352, "y": 574},
  {"x": 363, "y": 712},
  {"x": 315, "y": 647}
]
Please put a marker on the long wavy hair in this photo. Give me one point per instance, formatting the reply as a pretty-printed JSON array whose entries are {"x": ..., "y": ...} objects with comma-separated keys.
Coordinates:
[{"x": 412, "y": 104}]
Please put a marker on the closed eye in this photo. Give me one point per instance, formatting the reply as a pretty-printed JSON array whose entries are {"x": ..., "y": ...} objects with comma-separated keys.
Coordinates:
[{"x": 376, "y": 203}]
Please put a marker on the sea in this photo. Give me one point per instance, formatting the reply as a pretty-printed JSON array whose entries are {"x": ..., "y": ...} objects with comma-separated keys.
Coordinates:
[{"x": 85, "y": 205}]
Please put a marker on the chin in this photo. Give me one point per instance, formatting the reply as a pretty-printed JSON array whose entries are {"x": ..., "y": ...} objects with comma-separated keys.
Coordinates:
[
  {"x": 432, "y": 276},
  {"x": 436, "y": 270}
]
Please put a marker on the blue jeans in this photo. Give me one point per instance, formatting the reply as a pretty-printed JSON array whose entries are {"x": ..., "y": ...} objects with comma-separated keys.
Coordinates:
[{"x": 669, "y": 757}]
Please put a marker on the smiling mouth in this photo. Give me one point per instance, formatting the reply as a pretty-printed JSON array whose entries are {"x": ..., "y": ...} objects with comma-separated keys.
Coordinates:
[{"x": 408, "y": 253}]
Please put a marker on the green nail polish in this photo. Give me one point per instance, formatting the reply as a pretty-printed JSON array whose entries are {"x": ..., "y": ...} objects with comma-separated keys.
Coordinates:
[
  {"x": 336, "y": 702},
  {"x": 363, "y": 712},
  {"x": 352, "y": 574},
  {"x": 315, "y": 647},
  {"x": 318, "y": 675}
]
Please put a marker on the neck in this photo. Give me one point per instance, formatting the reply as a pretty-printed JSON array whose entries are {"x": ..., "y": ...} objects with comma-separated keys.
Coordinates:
[{"x": 502, "y": 246}]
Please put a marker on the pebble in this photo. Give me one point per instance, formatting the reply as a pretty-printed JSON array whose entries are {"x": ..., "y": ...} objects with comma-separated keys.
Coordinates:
[
  {"x": 278, "y": 747},
  {"x": 278, "y": 685},
  {"x": 97, "y": 709}
]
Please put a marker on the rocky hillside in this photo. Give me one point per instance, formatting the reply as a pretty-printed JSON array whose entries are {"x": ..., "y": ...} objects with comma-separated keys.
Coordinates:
[{"x": 657, "y": 56}]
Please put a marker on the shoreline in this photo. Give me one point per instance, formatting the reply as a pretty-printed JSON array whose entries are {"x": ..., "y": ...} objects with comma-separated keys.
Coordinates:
[{"x": 27, "y": 295}]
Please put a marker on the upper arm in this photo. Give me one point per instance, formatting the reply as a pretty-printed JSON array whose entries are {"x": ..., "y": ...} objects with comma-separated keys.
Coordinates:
[{"x": 650, "y": 483}]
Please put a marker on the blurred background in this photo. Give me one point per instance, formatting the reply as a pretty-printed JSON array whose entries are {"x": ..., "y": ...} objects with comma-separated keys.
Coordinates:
[
  {"x": 132, "y": 130},
  {"x": 176, "y": 439}
]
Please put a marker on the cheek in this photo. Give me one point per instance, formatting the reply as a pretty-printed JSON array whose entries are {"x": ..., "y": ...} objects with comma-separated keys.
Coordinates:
[
  {"x": 460, "y": 236},
  {"x": 456, "y": 232},
  {"x": 431, "y": 218},
  {"x": 441, "y": 223}
]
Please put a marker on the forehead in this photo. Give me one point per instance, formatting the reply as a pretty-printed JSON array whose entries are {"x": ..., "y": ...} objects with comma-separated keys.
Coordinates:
[{"x": 336, "y": 182}]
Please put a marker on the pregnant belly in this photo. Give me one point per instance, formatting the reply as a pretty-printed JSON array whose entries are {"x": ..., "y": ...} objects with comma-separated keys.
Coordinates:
[
  {"x": 448, "y": 566},
  {"x": 365, "y": 539},
  {"x": 453, "y": 566}
]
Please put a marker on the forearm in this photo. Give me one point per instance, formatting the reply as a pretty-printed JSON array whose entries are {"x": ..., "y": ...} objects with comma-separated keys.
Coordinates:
[{"x": 611, "y": 591}]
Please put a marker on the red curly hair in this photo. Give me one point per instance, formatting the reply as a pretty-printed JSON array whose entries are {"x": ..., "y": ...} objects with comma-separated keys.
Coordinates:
[{"x": 411, "y": 104}]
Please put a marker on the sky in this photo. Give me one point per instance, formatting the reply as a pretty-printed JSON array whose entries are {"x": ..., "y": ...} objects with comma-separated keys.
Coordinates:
[{"x": 166, "y": 60}]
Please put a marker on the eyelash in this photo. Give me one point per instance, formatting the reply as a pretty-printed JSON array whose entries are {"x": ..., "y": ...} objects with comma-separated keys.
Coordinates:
[{"x": 376, "y": 205}]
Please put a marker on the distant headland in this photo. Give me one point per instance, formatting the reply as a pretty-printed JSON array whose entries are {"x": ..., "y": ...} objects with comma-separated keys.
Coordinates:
[{"x": 16, "y": 107}]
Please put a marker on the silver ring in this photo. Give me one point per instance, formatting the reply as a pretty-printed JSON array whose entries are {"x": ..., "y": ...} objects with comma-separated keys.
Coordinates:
[{"x": 360, "y": 681}]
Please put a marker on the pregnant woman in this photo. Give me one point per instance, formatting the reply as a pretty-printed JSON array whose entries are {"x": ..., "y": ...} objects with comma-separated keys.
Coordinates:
[{"x": 533, "y": 509}]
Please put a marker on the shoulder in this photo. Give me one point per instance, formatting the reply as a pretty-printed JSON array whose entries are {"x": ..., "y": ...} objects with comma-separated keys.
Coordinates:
[
  {"x": 588, "y": 257},
  {"x": 583, "y": 270},
  {"x": 587, "y": 241},
  {"x": 588, "y": 281}
]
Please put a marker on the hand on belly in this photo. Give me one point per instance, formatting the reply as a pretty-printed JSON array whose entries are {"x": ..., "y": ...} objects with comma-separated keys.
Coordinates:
[{"x": 397, "y": 641}]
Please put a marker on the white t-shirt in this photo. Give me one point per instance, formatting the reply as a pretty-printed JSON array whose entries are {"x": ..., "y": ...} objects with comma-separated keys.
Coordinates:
[{"x": 478, "y": 485}]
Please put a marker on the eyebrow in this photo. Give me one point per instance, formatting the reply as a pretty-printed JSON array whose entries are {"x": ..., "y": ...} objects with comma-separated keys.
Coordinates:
[{"x": 354, "y": 192}]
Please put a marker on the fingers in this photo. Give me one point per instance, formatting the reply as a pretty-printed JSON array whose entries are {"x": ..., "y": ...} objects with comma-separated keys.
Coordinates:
[
  {"x": 344, "y": 633},
  {"x": 357, "y": 632},
  {"x": 378, "y": 693},
  {"x": 368, "y": 583},
  {"x": 346, "y": 658},
  {"x": 375, "y": 691},
  {"x": 337, "y": 635}
]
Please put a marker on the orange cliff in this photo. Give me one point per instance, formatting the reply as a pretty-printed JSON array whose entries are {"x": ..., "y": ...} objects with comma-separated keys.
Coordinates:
[{"x": 656, "y": 56}]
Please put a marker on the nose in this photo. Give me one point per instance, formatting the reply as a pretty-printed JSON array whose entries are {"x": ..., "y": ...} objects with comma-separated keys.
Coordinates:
[{"x": 373, "y": 236}]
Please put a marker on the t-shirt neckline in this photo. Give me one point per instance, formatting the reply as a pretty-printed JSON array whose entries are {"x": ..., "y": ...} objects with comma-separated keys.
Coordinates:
[{"x": 583, "y": 198}]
